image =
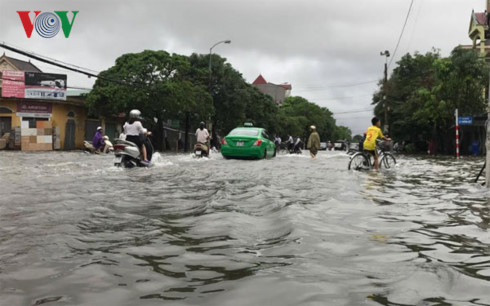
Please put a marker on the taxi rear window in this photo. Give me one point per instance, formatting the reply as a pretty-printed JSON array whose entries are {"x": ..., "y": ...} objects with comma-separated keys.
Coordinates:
[{"x": 245, "y": 132}]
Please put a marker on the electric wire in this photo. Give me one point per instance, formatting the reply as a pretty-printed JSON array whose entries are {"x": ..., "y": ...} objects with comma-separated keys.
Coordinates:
[
  {"x": 39, "y": 58},
  {"x": 401, "y": 34},
  {"x": 53, "y": 59}
]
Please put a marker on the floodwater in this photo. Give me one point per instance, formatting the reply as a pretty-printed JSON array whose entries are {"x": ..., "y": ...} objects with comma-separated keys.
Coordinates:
[{"x": 74, "y": 230}]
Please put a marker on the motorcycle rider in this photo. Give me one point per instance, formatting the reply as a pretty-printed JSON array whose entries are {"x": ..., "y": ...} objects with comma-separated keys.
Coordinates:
[
  {"x": 202, "y": 134},
  {"x": 135, "y": 132},
  {"x": 290, "y": 143},
  {"x": 98, "y": 141}
]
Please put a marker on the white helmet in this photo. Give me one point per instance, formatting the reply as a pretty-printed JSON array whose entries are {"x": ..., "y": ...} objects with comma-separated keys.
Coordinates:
[{"x": 134, "y": 113}]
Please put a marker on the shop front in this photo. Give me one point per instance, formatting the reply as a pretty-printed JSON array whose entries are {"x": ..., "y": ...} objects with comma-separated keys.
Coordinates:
[{"x": 43, "y": 125}]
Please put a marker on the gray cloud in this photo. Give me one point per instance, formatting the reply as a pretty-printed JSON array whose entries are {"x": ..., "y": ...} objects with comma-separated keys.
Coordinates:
[{"x": 313, "y": 44}]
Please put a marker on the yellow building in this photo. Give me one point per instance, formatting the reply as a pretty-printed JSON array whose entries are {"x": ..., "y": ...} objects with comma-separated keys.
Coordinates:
[
  {"x": 478, "y": 32},
  {"x": 43, "y": 124}
]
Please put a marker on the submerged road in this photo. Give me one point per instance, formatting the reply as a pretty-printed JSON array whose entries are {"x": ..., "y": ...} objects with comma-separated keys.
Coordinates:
[{"x": 74, "y": 230}]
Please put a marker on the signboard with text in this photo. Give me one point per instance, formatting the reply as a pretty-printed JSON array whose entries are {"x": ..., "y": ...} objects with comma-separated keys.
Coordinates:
[
  {"x": 34, "y": 109},
  {"x": 13, "y": 84},
  {"x": 465, "y": 120},
  {"x": 33, "y": 85}
]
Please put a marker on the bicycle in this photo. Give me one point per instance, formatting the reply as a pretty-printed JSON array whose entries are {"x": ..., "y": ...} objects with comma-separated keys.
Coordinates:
[{"x": 362, "y": 160}]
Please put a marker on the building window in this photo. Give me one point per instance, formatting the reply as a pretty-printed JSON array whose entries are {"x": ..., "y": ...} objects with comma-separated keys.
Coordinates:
[
  {"x": 32, "y": 121},
  {"x": 5, "y": 110},
  {"x": 70, "y": 114}
]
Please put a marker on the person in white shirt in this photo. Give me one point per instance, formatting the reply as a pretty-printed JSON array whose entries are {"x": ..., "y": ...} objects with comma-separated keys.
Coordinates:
[
  {"x": 135, "y": 131},
  {"x": 122, "y": 136},
  {"x": 202, "y": 134}
]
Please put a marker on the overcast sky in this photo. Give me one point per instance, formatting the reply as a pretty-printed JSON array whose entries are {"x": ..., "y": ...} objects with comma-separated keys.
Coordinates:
[{"x": 329, "y": 50}]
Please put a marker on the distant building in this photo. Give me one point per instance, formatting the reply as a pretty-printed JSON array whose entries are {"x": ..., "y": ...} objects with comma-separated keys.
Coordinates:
[
  {"x": 42, "y": 124},
  {"x": 278, "y": 92},
  {"x": 479, "y": 33}
]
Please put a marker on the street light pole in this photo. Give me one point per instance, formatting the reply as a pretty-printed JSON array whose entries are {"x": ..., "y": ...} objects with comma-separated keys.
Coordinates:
[
  {"x": 227, "y": 41},
  {"x": 211, "y": 51},
  {"x": 487, "y": 140},
  {"x": 385, "y": 102}
]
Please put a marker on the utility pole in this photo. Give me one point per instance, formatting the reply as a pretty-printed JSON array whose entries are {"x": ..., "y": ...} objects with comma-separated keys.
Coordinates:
[
  {"x": 385, "y": 81},
  {"x": 213, "y": 130},
  {"x": 487, "y": 142}
]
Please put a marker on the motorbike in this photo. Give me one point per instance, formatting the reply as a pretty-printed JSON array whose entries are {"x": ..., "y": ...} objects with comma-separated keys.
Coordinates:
[
  {"x": 88, "y": 147},
  {"x": 296, "y": 147},
  {"x": 201, "y": 150},
  {"x": 127, "y": 154}
]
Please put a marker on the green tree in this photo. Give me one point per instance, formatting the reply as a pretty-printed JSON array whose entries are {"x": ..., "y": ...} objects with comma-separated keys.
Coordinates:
[
  {"x": 155, "y": 82},
  {"x": 424, "y": 91},
  {"x": 296, "y": 115},
  {"x": 235, "y": 101}
]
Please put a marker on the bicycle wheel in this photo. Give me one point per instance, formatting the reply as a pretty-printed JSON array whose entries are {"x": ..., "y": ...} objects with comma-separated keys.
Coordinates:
[
  {"x": 358, "y": 162},
  {"x": 387, "y": 161}
]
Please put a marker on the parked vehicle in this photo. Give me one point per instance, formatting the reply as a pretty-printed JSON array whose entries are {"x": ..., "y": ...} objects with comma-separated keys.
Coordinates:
[
  {"x": 128, "y": 155},
  {"x": 339, "y": 145},
  {"x": 248, "y": 142},
  {"x": 323, "y": 146}
]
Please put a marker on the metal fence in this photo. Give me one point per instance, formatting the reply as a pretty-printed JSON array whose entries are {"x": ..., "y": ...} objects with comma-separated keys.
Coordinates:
[{"x": 173, "y": 140}]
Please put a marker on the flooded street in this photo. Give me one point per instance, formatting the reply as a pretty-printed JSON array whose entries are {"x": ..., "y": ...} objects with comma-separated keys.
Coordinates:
[{"x": 286, "y": 231}]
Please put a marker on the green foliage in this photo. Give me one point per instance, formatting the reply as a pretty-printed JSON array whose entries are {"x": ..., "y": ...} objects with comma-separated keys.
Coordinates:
[
  {"x": 160, "y": 85},
  {"x": 423, "y": 92},
  {"x": 296, "y": 115},
  {"x": 166, "y": 86},
  {"x": 357, "y": 138},
  {"x": 235, "y": 101}
]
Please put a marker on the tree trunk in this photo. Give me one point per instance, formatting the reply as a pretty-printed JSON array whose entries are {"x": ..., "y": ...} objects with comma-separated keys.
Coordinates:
[{"x": 186, "y": 136}]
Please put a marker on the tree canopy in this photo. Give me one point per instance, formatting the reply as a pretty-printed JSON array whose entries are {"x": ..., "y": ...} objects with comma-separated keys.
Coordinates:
[
  {"x": 423, "y": 92},
  {"x": 170, "y": 86},
  {"x": 296, "y": 115},
  {"x": 155, "y": 82}
]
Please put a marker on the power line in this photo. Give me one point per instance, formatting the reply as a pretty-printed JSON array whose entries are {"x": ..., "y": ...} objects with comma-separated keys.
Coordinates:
[
  {"x": 39, "y": 58},
  {"x": 20, "y": 81},
  {"x": 334, "y": 86},
  {"x": 401, "y": 34},
  {"x": 339, "y": 98},
  {"x": 353, "y": 111},
  {"x": 54, "y": 60}
]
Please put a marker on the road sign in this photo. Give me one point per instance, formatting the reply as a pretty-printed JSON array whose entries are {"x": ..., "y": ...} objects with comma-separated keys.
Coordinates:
[{"x": 465, "y": 120}]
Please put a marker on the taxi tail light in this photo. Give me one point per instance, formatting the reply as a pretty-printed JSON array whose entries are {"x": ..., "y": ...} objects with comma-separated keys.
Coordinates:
[
  {"x": 223, "y": 141},
  {"x": 257, "y": 143},
  {"x": 119, "y": 147}
]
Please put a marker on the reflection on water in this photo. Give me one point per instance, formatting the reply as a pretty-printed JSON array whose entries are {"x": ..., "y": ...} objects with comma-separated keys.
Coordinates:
[{"x": 286, "y": 231}]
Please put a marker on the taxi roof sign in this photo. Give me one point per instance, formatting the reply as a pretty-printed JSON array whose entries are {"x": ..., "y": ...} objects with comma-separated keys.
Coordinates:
[{"x": 248, "y": 124}]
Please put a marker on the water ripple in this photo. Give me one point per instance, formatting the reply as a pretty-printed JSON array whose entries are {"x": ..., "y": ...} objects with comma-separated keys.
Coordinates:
[{"x": 286, "y": 231}]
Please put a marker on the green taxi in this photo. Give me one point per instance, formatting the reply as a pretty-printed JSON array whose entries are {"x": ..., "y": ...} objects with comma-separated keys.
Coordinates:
[{"x": 247, "y": 142}]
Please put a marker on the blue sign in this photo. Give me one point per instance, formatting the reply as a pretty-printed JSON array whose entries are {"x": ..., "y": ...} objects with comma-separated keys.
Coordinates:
[{"x": 465, "y": 120}]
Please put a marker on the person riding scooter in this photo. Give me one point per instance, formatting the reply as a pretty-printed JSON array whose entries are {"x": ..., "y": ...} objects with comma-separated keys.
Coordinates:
[
  {"x": 296, "y": 149},
  {"x": 136, "y": 133},
  {"x": 98, "y": 141},
  {"x": 202, "y": 137}
]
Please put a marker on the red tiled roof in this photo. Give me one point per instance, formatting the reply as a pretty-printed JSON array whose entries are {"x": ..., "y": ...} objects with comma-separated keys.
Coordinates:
[
  {"x": 259, "y": 80},
  {"x": 481, "y": 18}
]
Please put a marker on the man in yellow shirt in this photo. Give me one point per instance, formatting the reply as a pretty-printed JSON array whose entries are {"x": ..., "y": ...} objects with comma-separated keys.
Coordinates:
[{"x": 373, "y": 133}]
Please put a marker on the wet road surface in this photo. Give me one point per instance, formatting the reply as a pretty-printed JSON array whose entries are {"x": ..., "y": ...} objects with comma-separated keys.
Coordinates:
[{"x": 74, "y": 230}]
